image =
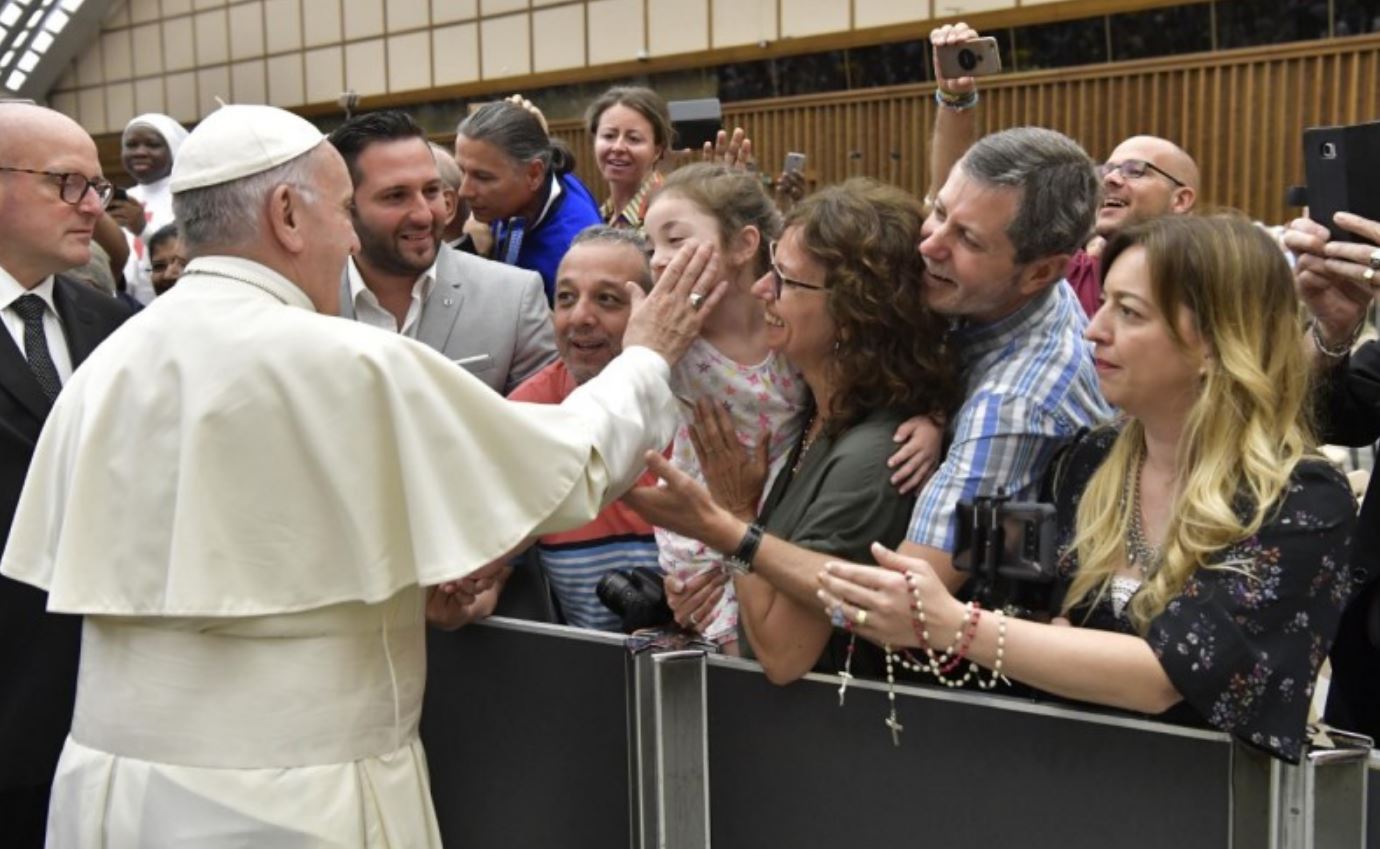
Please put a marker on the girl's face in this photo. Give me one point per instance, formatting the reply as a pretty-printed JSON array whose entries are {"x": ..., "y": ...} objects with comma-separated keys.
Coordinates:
[{"x": 671, "y": 222}]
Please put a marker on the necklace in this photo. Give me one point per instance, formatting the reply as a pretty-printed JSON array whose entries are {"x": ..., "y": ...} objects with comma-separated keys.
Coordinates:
[
  {"x": 1144, "y": 556},
  {"x": 807, "y": 442}
]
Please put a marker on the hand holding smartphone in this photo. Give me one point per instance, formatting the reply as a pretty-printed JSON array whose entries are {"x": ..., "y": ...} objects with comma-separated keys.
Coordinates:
[{"x": 978, "y": 57}]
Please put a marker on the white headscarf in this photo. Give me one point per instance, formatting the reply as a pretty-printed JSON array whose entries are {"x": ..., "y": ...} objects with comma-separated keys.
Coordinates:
[{"x": 173, "y": 133}]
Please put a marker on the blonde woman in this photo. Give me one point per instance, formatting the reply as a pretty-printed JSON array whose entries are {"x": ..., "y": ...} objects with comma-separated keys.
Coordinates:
[{"x": 1202, "y": 540}]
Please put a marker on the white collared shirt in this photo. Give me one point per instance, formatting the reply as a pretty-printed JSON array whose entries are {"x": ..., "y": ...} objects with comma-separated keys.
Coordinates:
[
  {"x": 11, "y": 291},
  {"x": 369, "y": 311}
]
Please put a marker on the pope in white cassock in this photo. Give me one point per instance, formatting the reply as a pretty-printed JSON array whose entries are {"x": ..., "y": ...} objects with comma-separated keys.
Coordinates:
[{"x": 246, "y": 497}]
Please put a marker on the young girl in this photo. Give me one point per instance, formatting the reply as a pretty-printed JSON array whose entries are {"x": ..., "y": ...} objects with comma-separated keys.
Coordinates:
[{"x": 730, "y": 363}]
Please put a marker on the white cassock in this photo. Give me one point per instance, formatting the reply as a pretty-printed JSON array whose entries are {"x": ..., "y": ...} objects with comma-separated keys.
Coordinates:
[{"x": 244, "y": 498}]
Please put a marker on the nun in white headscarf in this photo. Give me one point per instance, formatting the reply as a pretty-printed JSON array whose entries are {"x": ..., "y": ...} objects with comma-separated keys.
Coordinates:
[{"x": 147, "y": 149}]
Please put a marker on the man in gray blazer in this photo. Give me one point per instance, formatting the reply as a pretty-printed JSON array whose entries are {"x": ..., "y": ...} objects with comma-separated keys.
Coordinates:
[{"x": 489, "y": 318}]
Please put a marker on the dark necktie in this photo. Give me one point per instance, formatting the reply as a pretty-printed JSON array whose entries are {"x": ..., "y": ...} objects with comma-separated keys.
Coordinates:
[{"x": 31, "y": 309}]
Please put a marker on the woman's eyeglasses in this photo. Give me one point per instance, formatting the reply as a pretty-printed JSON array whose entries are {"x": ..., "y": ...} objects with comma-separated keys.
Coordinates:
[{"x": 780, "y": 281}]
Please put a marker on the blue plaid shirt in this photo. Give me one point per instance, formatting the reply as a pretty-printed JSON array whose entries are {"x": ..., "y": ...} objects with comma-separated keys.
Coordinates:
[{"x": 1030, "y": 387}]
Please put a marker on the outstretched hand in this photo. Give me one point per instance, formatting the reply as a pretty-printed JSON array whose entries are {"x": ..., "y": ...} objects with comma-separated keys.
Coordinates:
[{"x": 669, "y": 318}]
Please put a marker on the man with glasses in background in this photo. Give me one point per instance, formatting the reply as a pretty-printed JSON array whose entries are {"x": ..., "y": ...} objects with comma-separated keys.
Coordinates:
[
  {"x": 51, "y": 195},
  {"x": 1144, "y": 178}
]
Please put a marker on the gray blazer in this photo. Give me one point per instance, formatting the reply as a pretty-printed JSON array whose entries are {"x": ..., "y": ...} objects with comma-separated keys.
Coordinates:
[{"x": 490, "y": 318}]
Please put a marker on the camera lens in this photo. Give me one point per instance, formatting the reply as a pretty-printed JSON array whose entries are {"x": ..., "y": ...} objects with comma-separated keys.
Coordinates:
[
  {"x": 636, "y": 597},
  {"x": 967, "y": 59}
]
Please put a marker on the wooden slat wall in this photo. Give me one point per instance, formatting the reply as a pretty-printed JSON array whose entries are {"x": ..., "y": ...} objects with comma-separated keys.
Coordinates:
[{"x": 1240, "y": 113}]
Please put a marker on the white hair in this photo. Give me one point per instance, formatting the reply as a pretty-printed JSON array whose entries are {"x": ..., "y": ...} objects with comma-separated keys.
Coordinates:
[{"x": 232, "y": 213}]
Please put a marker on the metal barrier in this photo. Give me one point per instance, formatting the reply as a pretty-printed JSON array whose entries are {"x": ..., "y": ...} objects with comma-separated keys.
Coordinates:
[{"x": 545, "y": 736}]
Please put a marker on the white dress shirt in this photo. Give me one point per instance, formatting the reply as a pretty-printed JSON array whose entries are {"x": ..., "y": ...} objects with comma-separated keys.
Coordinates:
[
  {"x": 11, "y": 291},
  {"x": 369, "y": 311}
]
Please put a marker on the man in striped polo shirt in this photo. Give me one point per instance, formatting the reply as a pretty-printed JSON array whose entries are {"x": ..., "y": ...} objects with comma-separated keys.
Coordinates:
[
  {"x": 590, "y": 312},
  {"x": 996, "y": 246}
]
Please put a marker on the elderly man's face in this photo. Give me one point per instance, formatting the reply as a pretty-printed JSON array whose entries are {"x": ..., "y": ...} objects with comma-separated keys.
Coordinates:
[
  {"x": 329, "y": 228},
  {"x": 400, "y": 206},
  {"x": 43, "y": 234}
]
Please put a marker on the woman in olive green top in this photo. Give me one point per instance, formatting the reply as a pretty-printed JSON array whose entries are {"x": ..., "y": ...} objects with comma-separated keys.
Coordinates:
[{"x": 843, "y": 303}]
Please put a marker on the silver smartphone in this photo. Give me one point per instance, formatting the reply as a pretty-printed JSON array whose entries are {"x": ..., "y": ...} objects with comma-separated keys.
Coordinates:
[
  {"x": 978, "y": 57},
  {"x": 794, "y": 164}
]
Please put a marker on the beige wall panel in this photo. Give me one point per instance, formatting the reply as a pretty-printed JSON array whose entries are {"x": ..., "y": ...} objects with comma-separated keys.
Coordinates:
[
  {"x": 68, "y": 80},
  {"x": 116, "y": 16},
  {"x": 89, "y": 70},
  {"x": 178, "y": 49},
  {"x": 407, "y": 14},
  {"x": 366, "y": 71},
  {"x": 949, "y": 8},
  {"x": 283, "y": 25},
  {"x": 116, "y": 55},
  {"x": 455, "y": 54},
  {"x": 448, "y": 11},
  {"x": 677, "y": 26},
  {"x": 119, "y": 105},
  {"x": 321, "y": 22},
  {"x": 504, "y": 47},
  {"x": 537, "y": 4},
  {"x": 616, "y": 29},
  {"x": 285, "y": 84},
  {"x": 498, "y": 7},
  {"x": 325, "y": 76},
  {"x": 409, "y": 61},
  {"x": 208, "y": 4},
  {"x": 181, "y": 90},
  {"x": 66, "y": 103},
  {"x": 812, "y": 17},
  {"x": 176, "y": 7},
  {"x": 743, "y": 22},
  {"x": 91, "y": 109},
  {"x": 148, "y": 50},
  {"x": 143, "y": 11},
  {"x": 248, "y": 82},
  {"x": 148, "y": 96},
  {"x": 247, "y": 30},
  {"x": 363, "y": 18},
  {"x": 558, "y": 38},
  {"x": 212, "y": 83},
  {"x": 212, "y": 38}
]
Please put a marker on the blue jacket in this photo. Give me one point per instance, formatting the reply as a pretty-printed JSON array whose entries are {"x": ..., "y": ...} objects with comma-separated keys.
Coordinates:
[{"x": 541, "y": 248}]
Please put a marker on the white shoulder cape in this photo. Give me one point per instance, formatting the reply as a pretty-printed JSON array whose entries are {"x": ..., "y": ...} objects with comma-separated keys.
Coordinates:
[{"x": 229, "y": 452}]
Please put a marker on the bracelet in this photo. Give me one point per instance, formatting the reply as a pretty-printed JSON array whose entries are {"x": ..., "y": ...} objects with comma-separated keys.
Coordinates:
[
  {"x": 1339, "y": 351},
  {"x": 956, "y": 102},
  {"x": 1001, "y": 653},
  {"x": 740, "y": 561}
]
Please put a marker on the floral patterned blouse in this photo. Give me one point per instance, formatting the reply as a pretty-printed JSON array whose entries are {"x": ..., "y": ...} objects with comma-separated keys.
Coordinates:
[{"x": 1242, "y": 649}]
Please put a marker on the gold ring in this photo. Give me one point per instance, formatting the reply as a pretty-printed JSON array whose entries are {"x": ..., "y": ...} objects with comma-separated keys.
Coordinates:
[
  {"x": 1375, "y": 259},
  {"x": 1369, "y": 275},
  {"x": 861, "y": 618},
  {"x": 696, "y": 301}
]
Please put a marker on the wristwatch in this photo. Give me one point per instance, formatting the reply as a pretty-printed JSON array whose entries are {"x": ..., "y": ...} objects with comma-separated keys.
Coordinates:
[{"x": 740, "y": 561}]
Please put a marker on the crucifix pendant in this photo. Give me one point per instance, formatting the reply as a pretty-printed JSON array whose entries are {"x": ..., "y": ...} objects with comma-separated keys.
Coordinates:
[
  {"x": 896, "y": 728},
  {"x": 845, "y": 677}
]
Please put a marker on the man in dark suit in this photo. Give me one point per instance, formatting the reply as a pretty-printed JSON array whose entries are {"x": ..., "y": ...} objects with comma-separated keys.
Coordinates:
[
  {"x": 490, "y": 318},
  {"x": 51, "y": 194}
]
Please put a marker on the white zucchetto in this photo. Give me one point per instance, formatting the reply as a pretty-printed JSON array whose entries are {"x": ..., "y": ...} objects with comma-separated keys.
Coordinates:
[{"x": 238, "y": 141}]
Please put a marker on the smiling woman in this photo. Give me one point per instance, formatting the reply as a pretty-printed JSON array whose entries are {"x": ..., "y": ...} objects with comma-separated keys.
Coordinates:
[
  {"x": 631, "y": 127},
  {"x": 147, "y": 149}
]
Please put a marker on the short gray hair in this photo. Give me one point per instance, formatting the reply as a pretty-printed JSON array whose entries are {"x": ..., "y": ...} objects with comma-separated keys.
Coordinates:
[
  {"x": 1058, "y": 185},
  {"x": 231, "y": 213},
  {"x": 603, "y": 234},
  {"x": 447, "y": 166}
]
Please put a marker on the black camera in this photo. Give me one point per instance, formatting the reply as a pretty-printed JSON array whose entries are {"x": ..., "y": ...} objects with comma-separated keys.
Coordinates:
[
  {"x": 967, "y": 59},
  {"x": 638, "y": 596},
  {"x": 1009, "y": 549}
]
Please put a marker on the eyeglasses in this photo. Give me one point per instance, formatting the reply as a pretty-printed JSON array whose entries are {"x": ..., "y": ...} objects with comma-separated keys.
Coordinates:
[
  {"x": 780, "y": 280},
  {"x": 1134, "y": 169},
  {"x": 73, "y": 187}
]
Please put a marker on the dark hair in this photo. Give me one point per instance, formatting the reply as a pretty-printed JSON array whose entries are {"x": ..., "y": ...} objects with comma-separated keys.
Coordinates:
[
  {"x": 517, "y": 133},
  {"x": 166, "y": 233},
  {"x": 891, "y": 350},
  {"x": 644, "y": 102},
  {"x": 618, "y": 237},
  {"x": 1058, "y": 184},
  {"x": 353, "y": 136}
]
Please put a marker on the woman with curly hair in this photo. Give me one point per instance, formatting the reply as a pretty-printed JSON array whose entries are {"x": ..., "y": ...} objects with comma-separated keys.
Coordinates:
[
  {"x": 1203, "y": 541},
  {"x": 843, "y": 304}
]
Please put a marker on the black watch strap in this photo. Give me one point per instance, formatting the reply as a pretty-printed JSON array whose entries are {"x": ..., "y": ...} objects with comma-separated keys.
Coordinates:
[{"x": 740, "y": 560}]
